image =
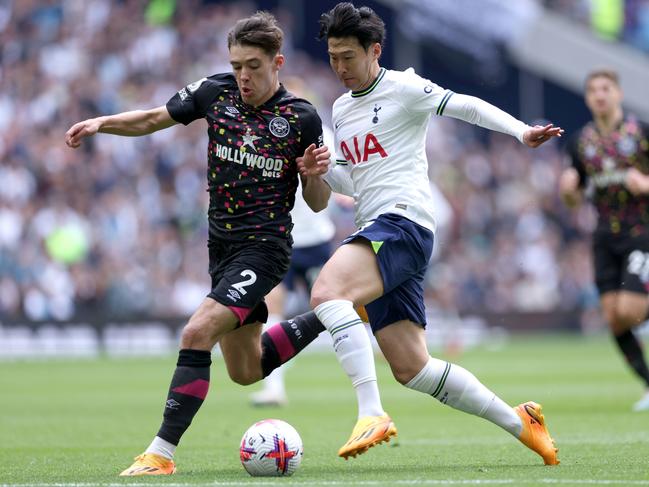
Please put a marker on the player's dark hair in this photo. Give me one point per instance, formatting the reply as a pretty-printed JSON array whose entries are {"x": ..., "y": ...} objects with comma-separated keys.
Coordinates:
[
  {"x": 345, "y": 20},
  {"x": 603, "y": 73},
  {"x": 259, "y": 30}
]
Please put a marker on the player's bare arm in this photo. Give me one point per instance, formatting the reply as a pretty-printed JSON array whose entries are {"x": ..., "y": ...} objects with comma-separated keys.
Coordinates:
[
  {"x": 133, "y": 124},
  {"x": 569, "y": 188},
  {"x": 313, "y": 164}
]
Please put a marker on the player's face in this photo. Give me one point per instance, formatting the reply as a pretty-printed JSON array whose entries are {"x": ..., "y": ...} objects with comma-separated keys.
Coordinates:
[
  {"x": 355, "y": 67},
  {"x": 603, "y": 96},
  {"x": 256, "y": 73}
]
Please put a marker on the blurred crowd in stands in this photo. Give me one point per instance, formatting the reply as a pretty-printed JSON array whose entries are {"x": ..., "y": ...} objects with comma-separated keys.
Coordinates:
[
  {"x": 119, "y": 227},
  {"x": 621, "y": 20}
]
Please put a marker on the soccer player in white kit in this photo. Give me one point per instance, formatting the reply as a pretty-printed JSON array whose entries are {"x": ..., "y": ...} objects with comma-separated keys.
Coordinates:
[{"x": 380, "y": 127}]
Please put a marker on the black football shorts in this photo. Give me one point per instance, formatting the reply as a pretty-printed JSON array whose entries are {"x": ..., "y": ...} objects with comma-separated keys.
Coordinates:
[
  {"x": 244, "y": 272},
  {"x": 621, "y": 262}
]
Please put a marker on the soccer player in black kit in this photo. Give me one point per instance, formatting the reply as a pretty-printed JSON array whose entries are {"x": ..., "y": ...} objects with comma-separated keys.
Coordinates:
[
  {"x": 610, "y": 164},
  {"x": 257, "y": 132}
]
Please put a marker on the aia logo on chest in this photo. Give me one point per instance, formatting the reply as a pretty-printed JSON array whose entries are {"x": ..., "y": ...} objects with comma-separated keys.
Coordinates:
[{"x": 360, "y": 149}]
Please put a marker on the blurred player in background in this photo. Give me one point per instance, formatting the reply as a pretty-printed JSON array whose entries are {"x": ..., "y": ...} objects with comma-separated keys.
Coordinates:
[
  {"x": 609, "y": 160},
  {"x": 380, "y": 127},
  {"x": 312, "y": 245},
  {"x": 256, "y": 132}
]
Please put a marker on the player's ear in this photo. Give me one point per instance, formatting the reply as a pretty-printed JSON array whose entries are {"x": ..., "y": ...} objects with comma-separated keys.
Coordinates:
[
  {"x": 279, "y": 61},
  {"x": 376, "y": 51}
]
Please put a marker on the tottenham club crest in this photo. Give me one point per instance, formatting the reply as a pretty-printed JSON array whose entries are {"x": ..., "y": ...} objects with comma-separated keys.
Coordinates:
[{"x": 279, "y": 127}]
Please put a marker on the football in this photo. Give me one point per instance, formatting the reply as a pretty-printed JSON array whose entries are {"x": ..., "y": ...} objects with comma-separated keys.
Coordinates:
[{"x": 271, "y": 448}]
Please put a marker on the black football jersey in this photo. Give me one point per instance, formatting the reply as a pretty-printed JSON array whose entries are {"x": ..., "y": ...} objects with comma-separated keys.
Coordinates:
[
  {"x": 251, "y": 162},
  {"x": 602, "y": 162}
]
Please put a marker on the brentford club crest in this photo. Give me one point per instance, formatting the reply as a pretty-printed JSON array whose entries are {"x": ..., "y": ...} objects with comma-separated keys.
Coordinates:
[{"x": 279, "y": 127}]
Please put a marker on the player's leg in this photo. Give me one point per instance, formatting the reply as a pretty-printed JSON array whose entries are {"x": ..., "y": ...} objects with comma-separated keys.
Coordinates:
[
  {"x": 241, "y": 276},
  {"x": 248, "y": 361},
  {"x": 241, "y": 351},
  {"x": 374, "y": 260},
  {"x": 188, "y": 389},
  {"x": 351, "y": 276},
  {"x": 282, "y": 340},
  {"x": 247, "y": 358},
  {"x": 625, "y": 310},
  {"x": 404, "y": 346},
  {"x": 273, "y": 392},
  {"x": 621, "y": 277}
]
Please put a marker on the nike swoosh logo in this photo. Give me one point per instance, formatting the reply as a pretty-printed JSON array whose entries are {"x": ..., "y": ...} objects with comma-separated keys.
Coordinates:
[
  {"x": 339, "y": 123},
  {"x": 530, "y": 411}
]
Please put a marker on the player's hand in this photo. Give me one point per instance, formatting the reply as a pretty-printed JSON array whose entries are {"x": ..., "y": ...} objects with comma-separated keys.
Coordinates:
[
  {"x": 315, "y": 161},
  {"x": 636, "y": 182},
  {"x": 539, "y": 134},
  {"x": 80, "y": 130},
  {"x": 569, "y": 187},
  {"x": 569, "y": 181}
]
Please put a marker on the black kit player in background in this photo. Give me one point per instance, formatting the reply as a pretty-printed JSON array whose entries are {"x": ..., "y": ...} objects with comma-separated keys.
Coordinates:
[
  {"x": 610, "y": 164},
  {"x": 257, "y": 132}
]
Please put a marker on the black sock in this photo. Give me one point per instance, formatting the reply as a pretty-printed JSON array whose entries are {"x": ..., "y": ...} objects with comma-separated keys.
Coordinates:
[
  {"x": 284, "y": 340},
  {"x": 632, "y": 350},
  {"x": 188, "y": 389}
]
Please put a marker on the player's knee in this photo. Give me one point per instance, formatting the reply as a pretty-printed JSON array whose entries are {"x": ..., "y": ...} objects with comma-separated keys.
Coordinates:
[
  {"x": 403, "y": 374},
  {"x": 626, "y": 318},
  {"x": 322, "y": 292},
  {"x": 243, "y": 377},
  {"x": 319, "y": 295},
  {"x": 193, "y": 336}
]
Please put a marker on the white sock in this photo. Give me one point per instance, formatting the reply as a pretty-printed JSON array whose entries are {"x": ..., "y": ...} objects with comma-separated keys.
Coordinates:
[
  {"x": 459, "y": 388},
  {"x": 275, "y": 381},
  {"x": 354, "y": 351},
  {"x": 162, "y": 447}
]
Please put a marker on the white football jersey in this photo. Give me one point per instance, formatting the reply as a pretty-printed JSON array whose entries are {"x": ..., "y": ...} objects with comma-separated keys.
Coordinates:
[
  {"x": 380, "y": 144},
  {"x": 310, "y": 228}
]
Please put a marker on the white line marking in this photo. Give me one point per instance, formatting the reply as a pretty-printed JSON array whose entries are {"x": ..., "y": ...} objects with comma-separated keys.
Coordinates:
[{"x": 353, "y": 482}]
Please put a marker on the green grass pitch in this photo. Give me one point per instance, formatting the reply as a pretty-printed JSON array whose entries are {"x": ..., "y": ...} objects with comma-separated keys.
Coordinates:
[{"x": 79, "y": 423}]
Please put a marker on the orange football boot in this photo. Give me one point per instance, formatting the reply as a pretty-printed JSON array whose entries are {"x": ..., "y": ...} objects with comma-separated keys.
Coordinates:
[
  {"x": 150, "y": 464},
  {"x": 368, "y": 432},
  {"x": 535, "y": 434}
]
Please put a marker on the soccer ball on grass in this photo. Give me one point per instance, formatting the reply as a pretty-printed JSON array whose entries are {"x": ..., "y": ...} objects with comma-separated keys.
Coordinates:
[{"x": 271, "y": 448}]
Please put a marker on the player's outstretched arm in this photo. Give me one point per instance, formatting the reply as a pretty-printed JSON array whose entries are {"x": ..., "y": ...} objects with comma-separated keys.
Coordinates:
[
  {"x": 134, "y": 123},
  {"x": 312, "y": 165},
  {"x": 478, "y": 112}
]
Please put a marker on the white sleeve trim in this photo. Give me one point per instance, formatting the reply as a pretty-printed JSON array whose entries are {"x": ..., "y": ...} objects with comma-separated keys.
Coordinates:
[{"x": 479, "y": 112}]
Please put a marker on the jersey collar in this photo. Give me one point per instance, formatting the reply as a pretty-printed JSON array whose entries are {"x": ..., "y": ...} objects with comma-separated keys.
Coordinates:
[
  {"x": 279, "y": 94},
  {"x": 370, "y": 88}
]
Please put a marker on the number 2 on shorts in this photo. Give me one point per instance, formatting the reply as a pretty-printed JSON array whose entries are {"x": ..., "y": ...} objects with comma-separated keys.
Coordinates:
[{"x": 252, "y": 278}]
